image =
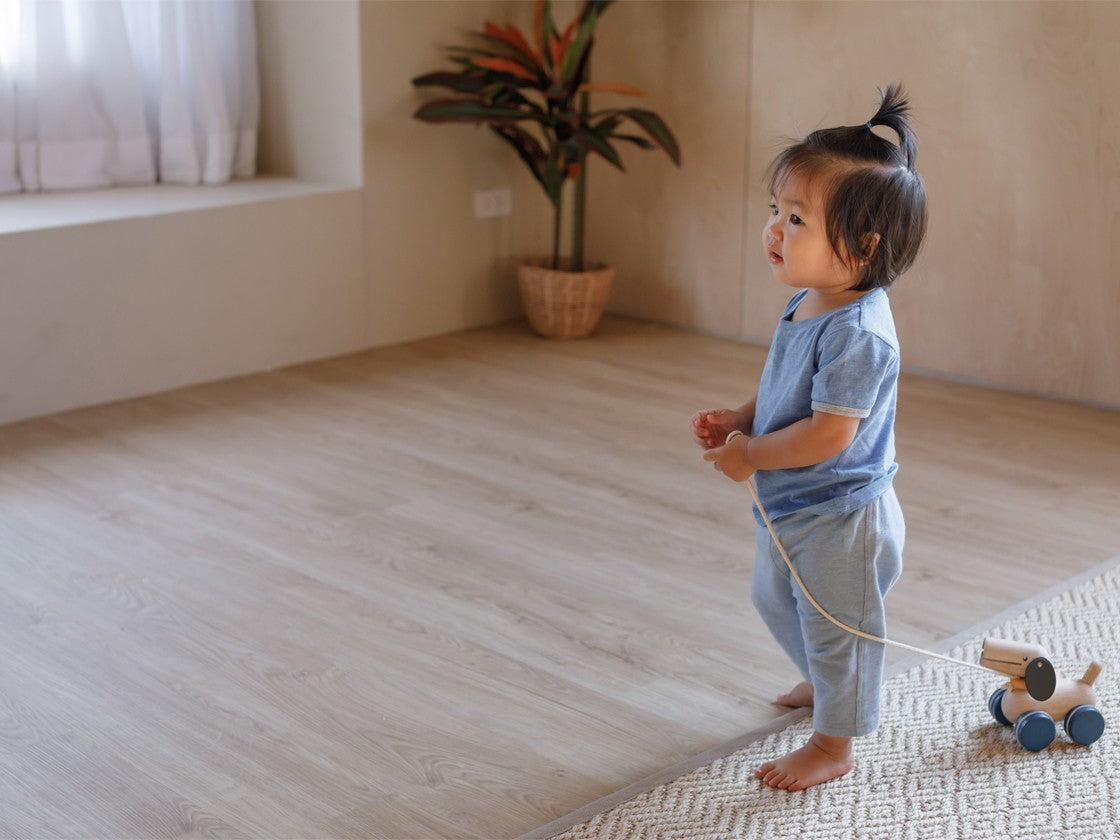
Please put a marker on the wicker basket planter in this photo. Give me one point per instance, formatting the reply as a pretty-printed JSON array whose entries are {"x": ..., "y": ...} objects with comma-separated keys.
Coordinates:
[{"x": 560, "y": 303}]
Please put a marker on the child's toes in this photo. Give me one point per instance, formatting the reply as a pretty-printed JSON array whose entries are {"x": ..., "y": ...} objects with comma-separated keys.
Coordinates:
[{"x": 776, "y": 777}]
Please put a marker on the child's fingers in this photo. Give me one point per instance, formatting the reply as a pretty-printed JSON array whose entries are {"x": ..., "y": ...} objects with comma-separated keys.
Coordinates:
[{"x": 701, "y": 424}]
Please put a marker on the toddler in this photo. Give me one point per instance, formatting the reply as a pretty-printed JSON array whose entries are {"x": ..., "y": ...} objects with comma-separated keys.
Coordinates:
[{"x": 847, "y": 217}]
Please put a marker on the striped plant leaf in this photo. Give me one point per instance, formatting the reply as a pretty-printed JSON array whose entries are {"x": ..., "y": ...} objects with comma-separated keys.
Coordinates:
[{"x": 468, "y": 110}]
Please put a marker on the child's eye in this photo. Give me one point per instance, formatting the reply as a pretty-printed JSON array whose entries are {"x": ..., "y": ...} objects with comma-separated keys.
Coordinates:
[
  {"x": 795, "y": 220},
  {"x": 773, "y": 209}
]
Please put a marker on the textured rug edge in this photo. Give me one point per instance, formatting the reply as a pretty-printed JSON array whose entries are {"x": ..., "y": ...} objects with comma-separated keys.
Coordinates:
[{"x": 688, "y": 765}]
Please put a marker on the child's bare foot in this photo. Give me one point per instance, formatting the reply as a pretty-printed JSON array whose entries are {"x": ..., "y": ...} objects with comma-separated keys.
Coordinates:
[
  {"x": 823, "y": 758},
  {"x": 798, "y": 696}
]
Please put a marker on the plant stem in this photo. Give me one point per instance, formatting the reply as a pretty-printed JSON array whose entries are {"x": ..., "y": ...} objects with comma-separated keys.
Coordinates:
[
  {"x": 556, "y": 229},
  {"x": 579, "y": 202}
]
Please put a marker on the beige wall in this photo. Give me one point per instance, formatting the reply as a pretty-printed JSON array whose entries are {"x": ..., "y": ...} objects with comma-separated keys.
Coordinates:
[
  {"x": 676, "y": 235},
  {"x": 310, "y": 70},
  {"x": 1018, "y": 112},
  {"x": 432, "y": 266}
]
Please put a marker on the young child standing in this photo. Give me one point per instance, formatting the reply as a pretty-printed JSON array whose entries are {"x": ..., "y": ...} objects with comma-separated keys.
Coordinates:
[{"x": 847, "y": 217}]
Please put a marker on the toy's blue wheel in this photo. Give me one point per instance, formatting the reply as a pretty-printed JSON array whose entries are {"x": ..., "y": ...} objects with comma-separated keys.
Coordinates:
[
  {"x": 1035, "y": 730},
  {"x": 1084, "y": 724},
  {"x": 995, "y": 707}
]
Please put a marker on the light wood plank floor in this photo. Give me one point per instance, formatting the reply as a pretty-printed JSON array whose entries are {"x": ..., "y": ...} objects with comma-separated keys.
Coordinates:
[{"x": 456, "y": 588}]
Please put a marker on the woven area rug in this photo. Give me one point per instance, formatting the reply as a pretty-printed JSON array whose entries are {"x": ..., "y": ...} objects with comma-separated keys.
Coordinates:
[{"x": 939, "y": 766}]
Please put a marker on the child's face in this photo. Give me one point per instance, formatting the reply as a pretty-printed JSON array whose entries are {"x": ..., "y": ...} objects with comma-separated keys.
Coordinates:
[{"x": 796, "y": 241}]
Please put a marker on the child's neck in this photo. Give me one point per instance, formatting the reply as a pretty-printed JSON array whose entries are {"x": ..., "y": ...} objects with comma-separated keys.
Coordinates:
[{"x": 819, "y": 301}]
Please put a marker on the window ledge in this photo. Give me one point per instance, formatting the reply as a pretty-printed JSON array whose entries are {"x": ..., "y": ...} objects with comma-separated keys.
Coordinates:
[{"x": 21, "y": 212}]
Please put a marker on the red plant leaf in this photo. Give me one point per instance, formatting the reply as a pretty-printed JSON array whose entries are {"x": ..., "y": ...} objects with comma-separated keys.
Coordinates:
[
  {"x": 611, "y": 87},
  {"x": 557, "y": 52},
  {"x": 503, "y": 65},
  {"x": 516, "y": 39},
  {"x": 570, "y": 32},
  {"x": 538, "y": 25},
  {"x": 512, "y": 37}
]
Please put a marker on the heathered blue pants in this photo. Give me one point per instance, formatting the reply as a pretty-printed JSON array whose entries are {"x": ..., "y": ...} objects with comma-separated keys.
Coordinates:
[{"x": 848, "y": 562}]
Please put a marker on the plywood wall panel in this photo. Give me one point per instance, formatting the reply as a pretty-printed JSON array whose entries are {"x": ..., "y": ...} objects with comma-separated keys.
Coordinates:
[
  {"x": 431, "y": 266},
  {"x": 676, "y": 236},
  {"x": 1018, "y": 110}
]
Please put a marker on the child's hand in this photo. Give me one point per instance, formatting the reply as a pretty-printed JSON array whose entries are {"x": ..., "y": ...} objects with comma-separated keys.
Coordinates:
[
  {"x": 731, "y": 459},
  {"x": 711, "y": 426}
]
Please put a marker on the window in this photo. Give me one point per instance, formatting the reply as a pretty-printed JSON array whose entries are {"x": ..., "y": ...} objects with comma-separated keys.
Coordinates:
[{"x": 126, "y": 92}]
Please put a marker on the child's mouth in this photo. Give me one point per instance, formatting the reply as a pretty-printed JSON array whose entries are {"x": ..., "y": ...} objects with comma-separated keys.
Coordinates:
[{"x": 775, "y": 259}]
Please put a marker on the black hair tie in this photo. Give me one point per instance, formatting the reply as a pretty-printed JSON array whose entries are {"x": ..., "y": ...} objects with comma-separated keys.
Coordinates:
[{"x": 869, "y": 129}]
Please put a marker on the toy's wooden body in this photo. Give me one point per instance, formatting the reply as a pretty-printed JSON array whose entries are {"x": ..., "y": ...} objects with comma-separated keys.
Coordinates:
[
  {"x": 1068, "y": 694},
  {"x": 1033, "y": 699}
]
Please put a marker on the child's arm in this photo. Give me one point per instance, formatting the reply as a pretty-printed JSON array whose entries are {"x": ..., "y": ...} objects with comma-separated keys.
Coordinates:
[
  {"x": 803, "y": 443},
  {"x": 800, "y": 444}
]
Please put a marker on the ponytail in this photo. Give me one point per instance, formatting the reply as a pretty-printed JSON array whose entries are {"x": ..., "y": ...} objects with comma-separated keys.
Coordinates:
[
  {"x": 860, "y": 143},
  {"x": 894, "y": 113}
]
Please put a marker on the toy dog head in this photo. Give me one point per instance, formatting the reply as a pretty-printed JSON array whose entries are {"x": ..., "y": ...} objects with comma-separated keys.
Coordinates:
[{"x": 1029, "y": 663}]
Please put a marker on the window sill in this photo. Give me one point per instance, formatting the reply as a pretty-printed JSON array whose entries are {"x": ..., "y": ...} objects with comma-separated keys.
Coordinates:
[{"x": 22, "y": 212}]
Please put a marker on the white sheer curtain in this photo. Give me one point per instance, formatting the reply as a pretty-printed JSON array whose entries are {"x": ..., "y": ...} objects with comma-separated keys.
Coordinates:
[{"x": 102, "y": 92}]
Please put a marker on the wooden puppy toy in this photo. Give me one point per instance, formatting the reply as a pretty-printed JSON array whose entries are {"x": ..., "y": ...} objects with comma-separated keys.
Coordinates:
[{"x": 1034, "y": 698}]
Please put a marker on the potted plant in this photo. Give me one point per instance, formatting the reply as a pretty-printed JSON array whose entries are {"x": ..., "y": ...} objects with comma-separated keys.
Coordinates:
[{"x": 535, "y": 97}]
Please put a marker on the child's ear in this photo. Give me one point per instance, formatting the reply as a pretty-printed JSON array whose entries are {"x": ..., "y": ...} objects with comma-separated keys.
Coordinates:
[{"x": 870, "y": 243}]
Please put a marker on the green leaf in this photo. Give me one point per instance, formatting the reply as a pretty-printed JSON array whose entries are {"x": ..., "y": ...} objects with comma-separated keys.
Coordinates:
[
  {"x": 527, "y": 148},
  {"x": 507, "y": 97},
  {"x": 594, "y": 142},
  {"x": 467, "y": 110},
  {"x": 574, "y": 55},
  {"x": 655, "y": 127},
  {"x": 606, "y": 127},
  {"x": 637, "y": 141},
  {"x": 552, "y": 180},
  {"x": 546, "y": 31},
  {"x": 462, "y": 82},
  {"x": 598, "y": 5}
]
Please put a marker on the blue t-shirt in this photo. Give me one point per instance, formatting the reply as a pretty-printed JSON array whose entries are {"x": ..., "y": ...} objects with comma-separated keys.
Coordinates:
[{"x": 842, "y": 362}]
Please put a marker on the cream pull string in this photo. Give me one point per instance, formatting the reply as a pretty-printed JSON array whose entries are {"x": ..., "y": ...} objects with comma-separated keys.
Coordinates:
[{"x": 854, "y": 631}]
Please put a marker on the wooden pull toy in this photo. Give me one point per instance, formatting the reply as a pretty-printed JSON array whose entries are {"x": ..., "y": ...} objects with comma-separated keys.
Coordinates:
[{"x": 1034, "y": 698}]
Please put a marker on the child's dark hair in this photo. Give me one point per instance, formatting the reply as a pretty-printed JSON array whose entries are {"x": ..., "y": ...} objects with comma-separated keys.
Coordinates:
[{"x": 870, "y": 187}]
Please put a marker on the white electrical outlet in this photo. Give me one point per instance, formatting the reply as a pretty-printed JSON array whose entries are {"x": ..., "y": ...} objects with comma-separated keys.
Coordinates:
[{"x": 491, "y": 203}]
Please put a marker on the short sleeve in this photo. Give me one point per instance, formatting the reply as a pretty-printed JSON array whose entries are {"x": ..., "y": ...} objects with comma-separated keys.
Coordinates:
[{"x": 852, "y": 364}]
